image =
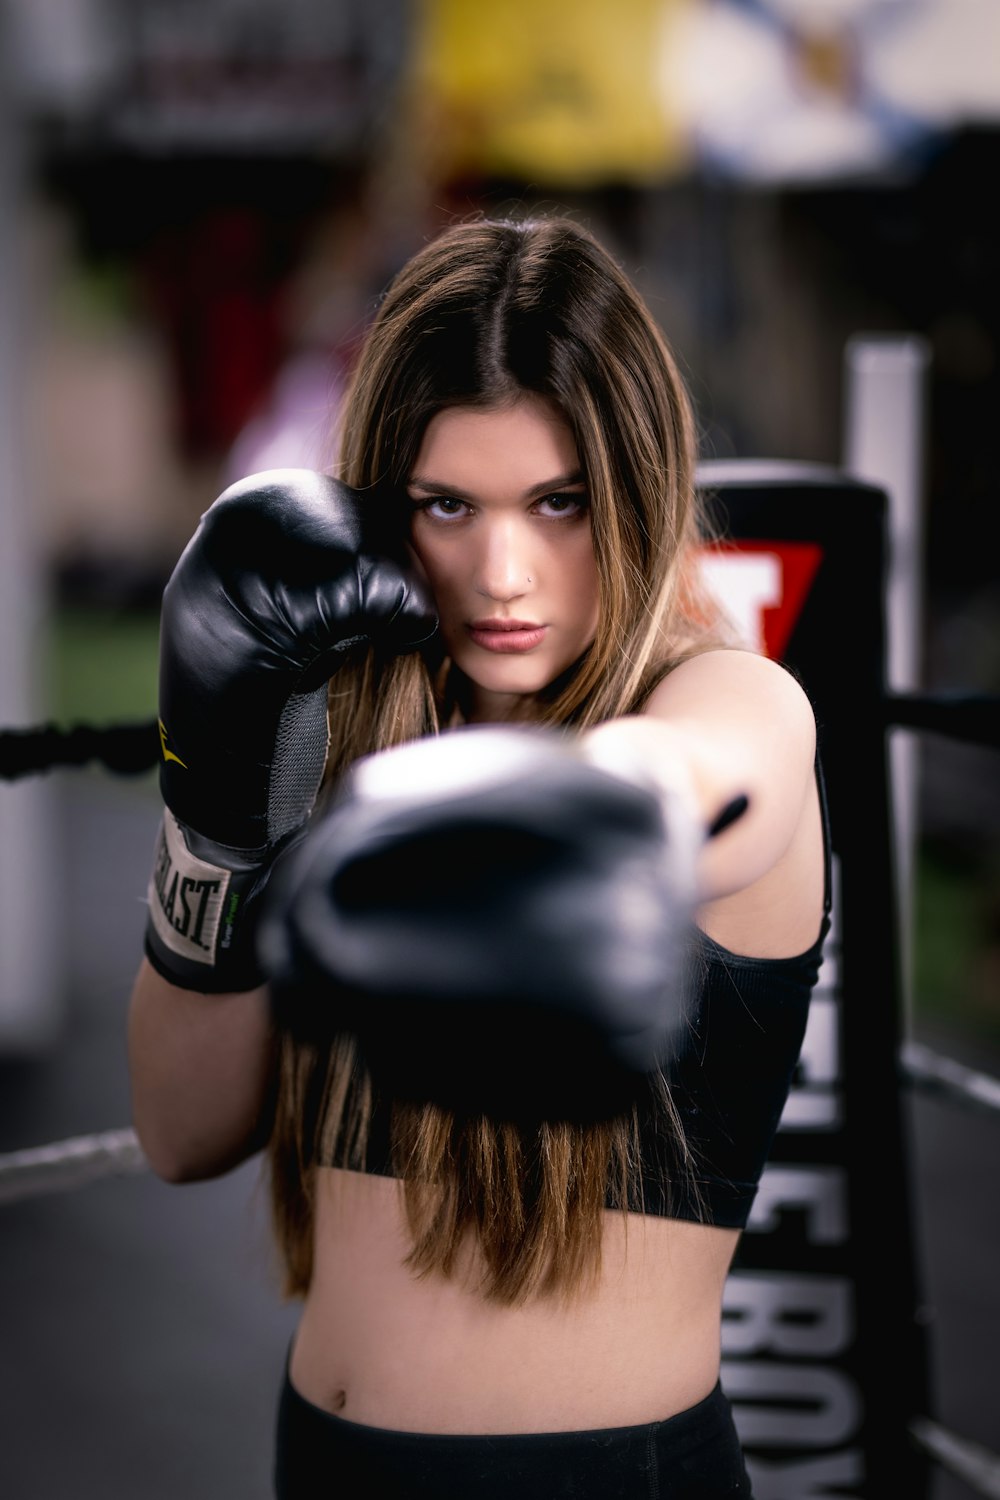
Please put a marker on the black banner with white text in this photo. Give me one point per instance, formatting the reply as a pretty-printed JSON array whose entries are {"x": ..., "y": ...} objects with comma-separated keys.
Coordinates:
[{"x": 824, "y": 1355}]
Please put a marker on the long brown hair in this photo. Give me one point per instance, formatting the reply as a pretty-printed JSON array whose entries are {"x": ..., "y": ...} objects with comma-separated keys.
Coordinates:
[{"x": 488, "y": 311}]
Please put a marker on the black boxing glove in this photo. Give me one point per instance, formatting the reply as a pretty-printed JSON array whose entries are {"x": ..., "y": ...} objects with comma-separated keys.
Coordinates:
[
  {"x": 505, "y": 926},
  {"x": 286, "y": 571}
]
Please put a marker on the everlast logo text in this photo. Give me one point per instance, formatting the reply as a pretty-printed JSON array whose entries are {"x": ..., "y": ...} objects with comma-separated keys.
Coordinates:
[
  {"x": 186, "y": 896},
  {"x": 184, "y": 901}
]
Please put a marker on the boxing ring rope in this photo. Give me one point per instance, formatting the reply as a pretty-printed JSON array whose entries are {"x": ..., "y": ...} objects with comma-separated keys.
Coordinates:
[
  {"x": 84, "y": 1159},
  {"x": 127, "y": 749},
  {"x": 133, "y": 748},
  {"x": 969, "y": 1461},
  {"x": 972, "y": 717},
  {"x": 69, "y": 1164},
  {"x": 925, "y": 1069}
]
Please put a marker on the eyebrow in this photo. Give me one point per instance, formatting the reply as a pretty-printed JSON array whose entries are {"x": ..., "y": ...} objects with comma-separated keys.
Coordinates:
[{"x": 561, "y": 481}]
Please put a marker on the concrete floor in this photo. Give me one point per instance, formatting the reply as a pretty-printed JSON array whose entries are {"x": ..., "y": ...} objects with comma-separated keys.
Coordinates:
[{"x": 142, "y": 1338}]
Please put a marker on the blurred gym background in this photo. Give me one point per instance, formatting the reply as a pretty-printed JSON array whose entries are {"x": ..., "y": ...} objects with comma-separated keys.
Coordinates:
[{"x": 199, "y": 204}]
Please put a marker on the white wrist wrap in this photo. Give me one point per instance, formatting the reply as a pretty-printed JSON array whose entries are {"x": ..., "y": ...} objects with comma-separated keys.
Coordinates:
[{"x": 186, "y": 897}]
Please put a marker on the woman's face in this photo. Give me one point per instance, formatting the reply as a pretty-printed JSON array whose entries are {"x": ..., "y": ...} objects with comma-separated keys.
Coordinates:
[{"x": 501, "y": 523}]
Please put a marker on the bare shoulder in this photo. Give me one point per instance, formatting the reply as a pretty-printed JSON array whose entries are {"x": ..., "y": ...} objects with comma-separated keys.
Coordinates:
[
  {"x": 726, "y": 669},
  {"x": 732, "y": 683}
]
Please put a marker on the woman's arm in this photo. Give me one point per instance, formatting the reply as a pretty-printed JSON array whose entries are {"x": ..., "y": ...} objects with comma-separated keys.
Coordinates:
[
  {"x": 720, "y": 725},
  {"x": 284, "y": 571},
  {"x": 202, "y": 1072}
]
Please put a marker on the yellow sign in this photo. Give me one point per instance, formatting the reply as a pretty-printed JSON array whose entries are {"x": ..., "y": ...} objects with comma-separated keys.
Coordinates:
[{"x": 555, "y": 92}]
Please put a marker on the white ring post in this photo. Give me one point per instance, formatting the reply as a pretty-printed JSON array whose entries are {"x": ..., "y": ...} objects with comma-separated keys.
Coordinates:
[
  {"x": 30, "y": 916},
  {"x": 883, "y": 443}
]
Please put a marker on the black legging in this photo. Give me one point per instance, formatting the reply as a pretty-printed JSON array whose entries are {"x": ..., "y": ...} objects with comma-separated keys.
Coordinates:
[{"x": 695, "y": 1455}]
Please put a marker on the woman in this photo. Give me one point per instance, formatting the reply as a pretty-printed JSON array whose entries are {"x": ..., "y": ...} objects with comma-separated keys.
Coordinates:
[{"x": 547, "y": 1313}]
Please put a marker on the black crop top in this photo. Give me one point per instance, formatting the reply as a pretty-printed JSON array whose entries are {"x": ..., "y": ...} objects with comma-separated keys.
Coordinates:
[
  {"x": 729, "y": 1084},
  {"x": 732, "y": 1079}
]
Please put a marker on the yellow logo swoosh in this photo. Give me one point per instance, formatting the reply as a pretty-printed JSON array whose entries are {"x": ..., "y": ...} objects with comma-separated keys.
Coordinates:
[{"x": 168, "y": 754}]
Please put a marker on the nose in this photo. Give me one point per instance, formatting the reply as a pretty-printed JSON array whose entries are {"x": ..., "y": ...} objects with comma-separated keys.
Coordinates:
[{"x": 504, "y": 568}]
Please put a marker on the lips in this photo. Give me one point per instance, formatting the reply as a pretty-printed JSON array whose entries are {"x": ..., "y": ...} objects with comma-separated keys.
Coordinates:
[{"x": 507, "y": 636}]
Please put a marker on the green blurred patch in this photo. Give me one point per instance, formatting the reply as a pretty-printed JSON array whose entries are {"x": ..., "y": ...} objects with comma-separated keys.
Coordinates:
[
  {"x": 956, "y": 939},
  {"x": 102, "y": 666}
]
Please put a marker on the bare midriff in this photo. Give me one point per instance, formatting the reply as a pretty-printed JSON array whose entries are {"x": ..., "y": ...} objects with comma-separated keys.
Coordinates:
[{"x": 378, "y": 1346}]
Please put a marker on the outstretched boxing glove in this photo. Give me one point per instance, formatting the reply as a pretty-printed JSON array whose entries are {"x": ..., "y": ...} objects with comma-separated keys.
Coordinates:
[
  {"x": 505, "y": 926},
  {"x": 286, "y": 571}
]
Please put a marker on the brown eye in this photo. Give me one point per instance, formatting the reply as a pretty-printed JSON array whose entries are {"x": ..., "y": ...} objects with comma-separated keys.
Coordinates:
[
  {"x": 563, "y": 505},
  {"x": 442, "y": 507}
]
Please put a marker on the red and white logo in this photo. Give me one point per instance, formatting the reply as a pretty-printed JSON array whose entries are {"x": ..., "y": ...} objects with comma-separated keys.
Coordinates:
[{"x": 763, "y": 586}]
